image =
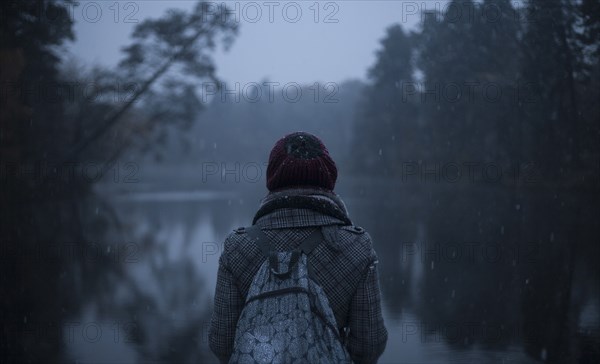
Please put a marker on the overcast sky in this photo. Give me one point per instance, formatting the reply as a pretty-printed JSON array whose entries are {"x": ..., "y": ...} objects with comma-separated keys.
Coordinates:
[{"x": 281, "y": 41}]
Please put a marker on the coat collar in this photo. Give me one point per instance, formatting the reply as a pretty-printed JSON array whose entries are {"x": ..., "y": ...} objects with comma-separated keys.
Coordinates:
[{"x": 301, "y": 207}]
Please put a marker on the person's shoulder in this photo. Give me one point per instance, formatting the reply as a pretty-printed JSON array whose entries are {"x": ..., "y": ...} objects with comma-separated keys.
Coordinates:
[
  {"x": 239, "y": 230},
  {"x": 355, "y": 240},
  {"x": 355, "y": 233},
  {"x": 235, "y": 247},
  {"x": 235, "y": 237},
  {"x": 354, "y": 229}
]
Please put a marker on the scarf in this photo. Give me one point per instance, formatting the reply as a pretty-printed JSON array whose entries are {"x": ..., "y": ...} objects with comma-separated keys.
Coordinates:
[{"x": 318, "y": 200}]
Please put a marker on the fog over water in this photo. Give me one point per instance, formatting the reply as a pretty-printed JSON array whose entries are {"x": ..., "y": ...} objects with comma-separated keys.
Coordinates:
[{"x": 135, "y": 137}]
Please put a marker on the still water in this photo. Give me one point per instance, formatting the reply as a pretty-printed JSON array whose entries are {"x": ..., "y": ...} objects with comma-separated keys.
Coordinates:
[{"x": 176, "y": 238}]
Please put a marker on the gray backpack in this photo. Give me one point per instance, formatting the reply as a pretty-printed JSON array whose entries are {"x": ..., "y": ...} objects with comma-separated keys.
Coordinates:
[{"x": 287, "y": 317}]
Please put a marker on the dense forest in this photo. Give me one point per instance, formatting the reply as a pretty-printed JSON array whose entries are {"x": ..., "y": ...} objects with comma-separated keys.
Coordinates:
[{"x": 484, "y": 129}]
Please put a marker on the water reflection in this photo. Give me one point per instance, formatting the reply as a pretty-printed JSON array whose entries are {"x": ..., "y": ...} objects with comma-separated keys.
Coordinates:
[{"x": 450, "y": 273}]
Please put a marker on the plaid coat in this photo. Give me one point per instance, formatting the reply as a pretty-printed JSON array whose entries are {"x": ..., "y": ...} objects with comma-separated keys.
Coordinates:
[{"x": 345, "y": 266}]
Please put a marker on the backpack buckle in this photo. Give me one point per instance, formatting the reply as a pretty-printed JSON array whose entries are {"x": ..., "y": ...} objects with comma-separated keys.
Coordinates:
[{"x": 274, "y": 264}]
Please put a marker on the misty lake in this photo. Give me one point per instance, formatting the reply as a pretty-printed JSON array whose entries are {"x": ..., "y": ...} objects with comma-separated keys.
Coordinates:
[{"x": 189, "y": 226}]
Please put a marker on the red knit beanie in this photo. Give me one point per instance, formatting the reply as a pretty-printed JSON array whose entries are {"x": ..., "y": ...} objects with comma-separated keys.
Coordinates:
[{"x": 300, "y": 159}]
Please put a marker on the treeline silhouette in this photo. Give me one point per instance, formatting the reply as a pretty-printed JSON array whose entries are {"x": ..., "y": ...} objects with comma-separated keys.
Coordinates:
[
  {"x": 487, "y": 119},
  {"x": 63, "y": 126},
  {"x": 471, "y": 155}
]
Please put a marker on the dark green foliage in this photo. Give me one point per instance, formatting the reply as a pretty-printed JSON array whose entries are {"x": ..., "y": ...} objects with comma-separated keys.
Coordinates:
[
  {"x": 589, "y": 11},
  {"x": 175, "y": 50},
  {"x": 510, "y": 87},
  {"x": 48, "y": 213},
  {"x": 388, "y": 111}
]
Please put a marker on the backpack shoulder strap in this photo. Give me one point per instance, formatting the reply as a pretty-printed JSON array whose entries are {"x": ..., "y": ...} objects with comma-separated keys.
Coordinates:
[
  {"x": 308, "y": 245},
  {"x": 259, "y": 238},
  {"x": 312, "y": 241}
]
